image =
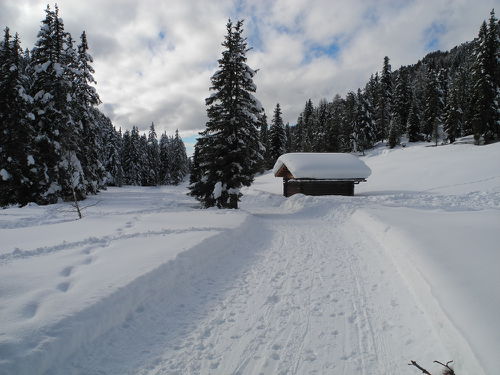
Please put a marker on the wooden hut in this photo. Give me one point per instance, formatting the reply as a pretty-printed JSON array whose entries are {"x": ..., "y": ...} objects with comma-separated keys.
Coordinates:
[{"x": 320, "y": 173}]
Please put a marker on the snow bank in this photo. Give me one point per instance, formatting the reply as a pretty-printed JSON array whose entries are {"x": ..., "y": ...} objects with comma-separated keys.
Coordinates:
[
  {"x": 65, "y": 282},
  {"x": 450, "y": 265},
  {"x": 450, "y": 169},
  {"x": 323, "y": 165}
]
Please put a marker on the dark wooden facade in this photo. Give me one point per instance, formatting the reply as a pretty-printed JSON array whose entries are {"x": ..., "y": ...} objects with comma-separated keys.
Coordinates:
[
  {"x": 317, "y": 187},
  {"x": 292, "y": 185}
]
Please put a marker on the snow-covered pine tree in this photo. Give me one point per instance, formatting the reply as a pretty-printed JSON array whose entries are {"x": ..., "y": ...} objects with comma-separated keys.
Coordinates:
[
  {"x": 53, "y": 108},
  {"x": 452, "y": 115},
  {"x": 165, "y": 159},
  {"x": 86, "y": 100},
  {"x": 131, "y": 157},
  {"x": 307, "y": 127},
  {"x": 16, "y": 159},
  {"x": 395, "y": 130},
  {"x": 402, "y": 95},
  {"x": 297, "y": 136},
  {"x": 432, "y": 103},
  {"x": 365, "y": 124},
  {"x": 179, "y": 162},
  {"x": 347, "y": 136},
  {"x": 264, "y": 141},
  {"x": 142, "y": 164},
  {"x": 371, "y": 94},
  {"x": 332, "y": 134},
  {"x": 413, "y": 123},
  {"x": 277, "y": 137},
  {"x": 152, "y": 177},
  {"x": 111, "y": 153},
  {"x": 384, "y": 105},
  {"x": 289, "y": 141},
  {"x": 485, "y": 91},
  {"x": 229, "y": 154},
  {"x": 322, "y": 117}
]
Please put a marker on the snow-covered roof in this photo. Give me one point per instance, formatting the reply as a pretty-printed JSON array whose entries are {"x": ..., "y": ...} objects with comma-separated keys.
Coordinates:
[{"x": 322, "y": 165}]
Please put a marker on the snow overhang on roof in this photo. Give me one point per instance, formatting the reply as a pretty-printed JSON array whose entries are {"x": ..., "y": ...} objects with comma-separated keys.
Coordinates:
[{"x": 329, "y": 166}]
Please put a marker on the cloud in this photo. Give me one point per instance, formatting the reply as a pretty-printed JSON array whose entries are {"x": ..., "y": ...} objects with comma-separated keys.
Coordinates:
[{"x": 153, "y": 60}]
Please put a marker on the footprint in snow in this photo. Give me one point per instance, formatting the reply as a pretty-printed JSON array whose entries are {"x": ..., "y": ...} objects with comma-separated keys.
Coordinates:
[
  {"x": 29, "y": 311},
  {"x": 66, "y": 271}
]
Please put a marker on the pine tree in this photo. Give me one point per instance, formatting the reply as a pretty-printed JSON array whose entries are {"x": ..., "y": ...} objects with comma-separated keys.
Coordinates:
[
  {"x": 111, "y": 156},
  {"x": 59, "y": 170},
  {"x": 349, "y": 123},
  {"x": 322, "y": 117},
  {"x": 413, "y": 123},
  {"x": 365, "y": 136},
  {"x": 431, "y": 119},
  {"x": 86, "y": 99},
  {"x": 165, "y": 159},
  {"x": 179, "y": 161},
  {"x": 264, "y": 140},
  {"x": 485, "y": 92},
  {"x": 307, "y": 127},
  {"x": 229, "y": 154},
  {"x": 384, "y": 105},
  {"x": 452, "y": 116},
  {"x": 334, "y": 124},
  {"x": 16, "y": 178},
  {"x": 288, "y": 135},
  {"x": 153, "y": 158},
  {"x": 402, "y": 95},
  {"x": 131, "y": 157},
  {"x": 277, "y": 137},
  {"x": 142, "y": 164}
]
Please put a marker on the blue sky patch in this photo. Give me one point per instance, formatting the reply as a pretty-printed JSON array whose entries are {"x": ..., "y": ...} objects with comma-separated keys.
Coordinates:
[{"x": 432, "y": 36}]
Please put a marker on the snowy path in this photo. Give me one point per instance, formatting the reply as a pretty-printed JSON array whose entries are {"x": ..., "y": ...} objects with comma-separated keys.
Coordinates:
[
  {"x": 148, "y": 284},
  {"x": 311, "y": 297}
]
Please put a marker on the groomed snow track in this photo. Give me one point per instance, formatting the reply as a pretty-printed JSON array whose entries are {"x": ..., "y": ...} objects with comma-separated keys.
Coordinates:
[{"x": 296, "y": 289}]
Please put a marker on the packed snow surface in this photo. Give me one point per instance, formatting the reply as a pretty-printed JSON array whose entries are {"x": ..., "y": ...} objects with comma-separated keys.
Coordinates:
[
  {"x": 322, "y": 165},
  {"x": 148, "y": 283}
]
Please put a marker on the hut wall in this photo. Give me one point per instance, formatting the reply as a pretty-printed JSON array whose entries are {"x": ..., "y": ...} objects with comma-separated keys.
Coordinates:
[{"x": 317, "y": 187}]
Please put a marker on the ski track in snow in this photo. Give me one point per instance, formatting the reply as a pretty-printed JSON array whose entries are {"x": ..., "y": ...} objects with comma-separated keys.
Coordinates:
[
  {"x": 297, "y": 287},
  {"x": 309, "y": 299}
]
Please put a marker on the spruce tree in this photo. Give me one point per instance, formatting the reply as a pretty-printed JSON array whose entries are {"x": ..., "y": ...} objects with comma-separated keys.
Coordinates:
[
  {"x": 59, "y": 170},
  {"x": 153, "y": 158},
  {"x": 322, "y": 117},
  {"x": 384, "y": 105},
  {"x": 16, "y": 157},
  {"x": 86, "y": 100},
  {"x": 288, "y": 135},
  {"x": 413, "y": 123},
  {"x": 432, "y": 103},
  {"x": 179, "y": 160},
  {"x": 229, "y": 154},
  {"x": 307, "y": 127},
  {"x": 277, "y": 137},
  {"x": 264, "y": 140},
  {"x": 165, "y": 159},
  {"x": 365, "y": 124},
  {"x": 485, "y": 91}
]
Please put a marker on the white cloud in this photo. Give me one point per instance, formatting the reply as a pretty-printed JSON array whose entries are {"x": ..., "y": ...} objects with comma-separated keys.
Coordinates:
[{"x": 154, "y": 59}]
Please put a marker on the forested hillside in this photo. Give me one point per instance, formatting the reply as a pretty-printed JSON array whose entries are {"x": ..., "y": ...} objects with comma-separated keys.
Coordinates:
[{"x": 442, "y": 97}]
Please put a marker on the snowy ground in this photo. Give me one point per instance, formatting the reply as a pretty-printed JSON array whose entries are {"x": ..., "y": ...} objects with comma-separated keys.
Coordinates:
[{"x": 147, "y": 283}]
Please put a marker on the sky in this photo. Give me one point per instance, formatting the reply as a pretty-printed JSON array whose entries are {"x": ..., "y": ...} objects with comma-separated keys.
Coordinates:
[{"x": 154, "y": 58}]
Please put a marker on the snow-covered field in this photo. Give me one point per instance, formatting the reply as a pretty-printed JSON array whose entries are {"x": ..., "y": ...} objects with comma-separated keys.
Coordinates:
[{"x": 146, "y": 283}]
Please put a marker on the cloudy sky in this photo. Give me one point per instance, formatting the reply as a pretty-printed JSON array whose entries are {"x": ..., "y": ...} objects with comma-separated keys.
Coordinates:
[{"x": 154, "y": 58}]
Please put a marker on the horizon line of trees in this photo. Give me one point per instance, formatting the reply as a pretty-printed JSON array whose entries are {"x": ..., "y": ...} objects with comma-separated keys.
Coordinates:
[{"x": 55, "y": 144}]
